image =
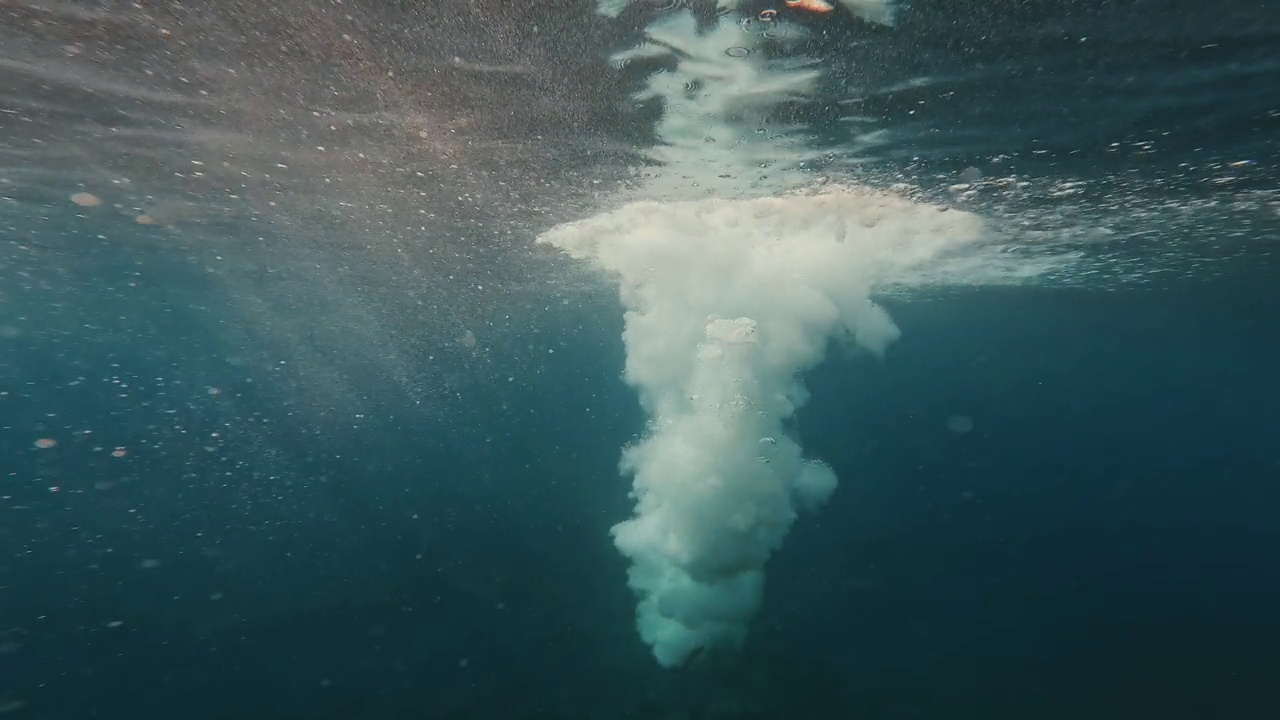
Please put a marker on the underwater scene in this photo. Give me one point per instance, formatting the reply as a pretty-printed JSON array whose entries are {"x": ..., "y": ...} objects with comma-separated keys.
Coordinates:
[{"x": 639, "y": 359}]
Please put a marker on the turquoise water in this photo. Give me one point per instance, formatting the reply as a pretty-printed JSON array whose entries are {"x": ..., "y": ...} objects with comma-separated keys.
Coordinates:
[{"x": 325, "y": 435}]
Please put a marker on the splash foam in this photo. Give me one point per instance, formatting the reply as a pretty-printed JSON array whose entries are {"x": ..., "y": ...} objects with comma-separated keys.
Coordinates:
[
  {"x": 734, "y": 285},
  {"x": 727, "y": 302}
]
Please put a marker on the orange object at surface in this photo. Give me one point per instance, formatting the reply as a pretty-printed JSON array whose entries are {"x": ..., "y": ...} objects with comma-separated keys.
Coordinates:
[{"x": 818, "y": 6}]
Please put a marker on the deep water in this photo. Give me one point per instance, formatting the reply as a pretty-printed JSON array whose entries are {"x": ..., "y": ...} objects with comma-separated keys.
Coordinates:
[
  {"x": 1099, "y": 544},
  {"x": 1057, "y": 500}
]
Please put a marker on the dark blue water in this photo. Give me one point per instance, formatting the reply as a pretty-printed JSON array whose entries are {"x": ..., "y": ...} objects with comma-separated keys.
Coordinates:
[{"x": 252, "y": 517}]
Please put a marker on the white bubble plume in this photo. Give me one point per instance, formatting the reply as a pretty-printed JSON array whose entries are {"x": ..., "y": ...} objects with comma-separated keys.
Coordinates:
[
  {"x": 730, "y": 294},
  {"x": 727, "y": 301}
]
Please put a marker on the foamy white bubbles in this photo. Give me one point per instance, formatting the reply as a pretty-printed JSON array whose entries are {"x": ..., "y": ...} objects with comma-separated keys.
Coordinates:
[
  {"x": 728, "y": 301},
  {"x": 733, "y": 286},
  {"x": 716, "y": 101}
]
